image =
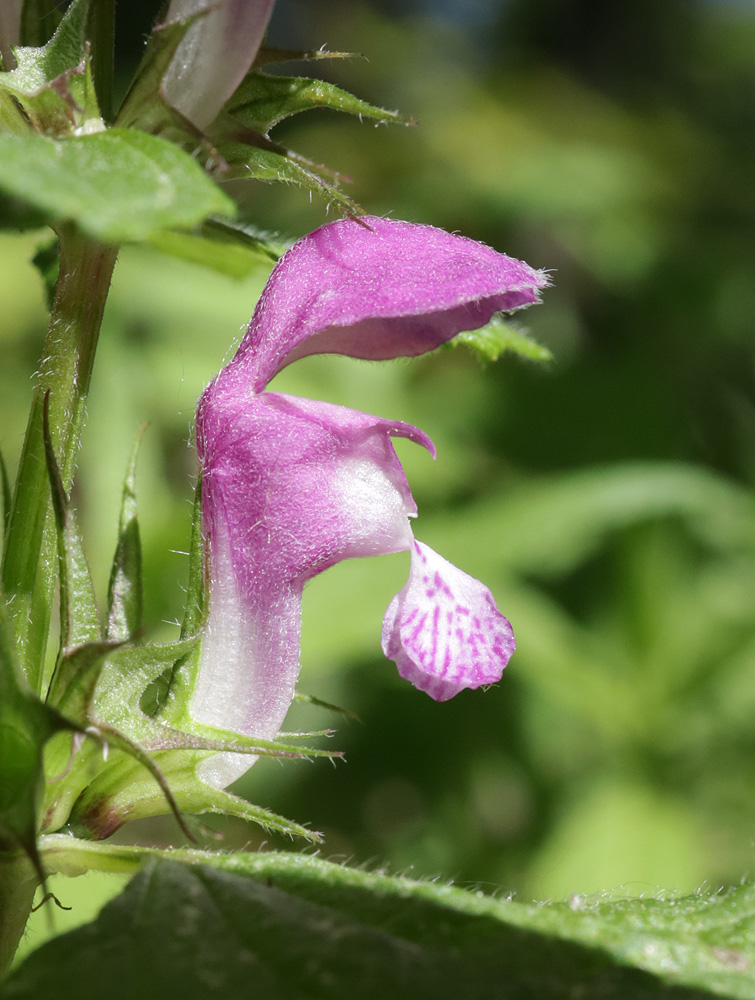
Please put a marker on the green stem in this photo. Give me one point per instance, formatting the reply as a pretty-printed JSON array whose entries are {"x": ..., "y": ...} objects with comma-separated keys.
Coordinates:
[
  {"x": 18, "y": 884},
  {"x": 29, "y": 565}
]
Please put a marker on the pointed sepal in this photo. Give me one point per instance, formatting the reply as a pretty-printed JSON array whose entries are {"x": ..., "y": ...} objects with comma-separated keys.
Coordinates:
[
  {"x": 125, "y": 618},
  {"x": 500, "y": 337},
  {"x": 79, "y": 616},
  {"x": 263, "y": 100},
  {"x": 26, "y": 724}
]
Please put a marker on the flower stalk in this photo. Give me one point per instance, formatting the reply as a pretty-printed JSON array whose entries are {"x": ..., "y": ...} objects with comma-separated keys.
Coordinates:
[{"x": 65, "y": 371}]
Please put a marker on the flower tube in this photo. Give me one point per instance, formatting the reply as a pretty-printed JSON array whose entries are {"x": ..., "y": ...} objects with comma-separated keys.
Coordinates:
[{"x": 291, "y": 486}]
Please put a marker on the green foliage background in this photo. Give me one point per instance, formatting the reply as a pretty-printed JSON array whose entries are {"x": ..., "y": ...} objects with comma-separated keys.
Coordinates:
[{"x": 607, "y": 499}]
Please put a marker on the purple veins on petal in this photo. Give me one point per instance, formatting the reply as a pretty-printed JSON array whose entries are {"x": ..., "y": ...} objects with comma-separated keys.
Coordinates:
[{"x": 460, "y": 640}]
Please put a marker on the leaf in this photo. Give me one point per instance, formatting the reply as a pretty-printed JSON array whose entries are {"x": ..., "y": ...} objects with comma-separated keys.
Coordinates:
[
  {"x": 264, "y": 243},
  {"x": 173, "y": 688},
  {"x": 39, "y": 65},
  {"x": 117, "y": 185},
  {"x": 101, "y": 30},
  {"x": 309, "y": 699},
  {"x": 271, "y": 56},
  {"x": 123, "y": 792},
  {"x": 79, "y": 617},
  {"x": 11, "y": 117},
  {"x": 5, "y": 493},
  {"x": 247, "y": 162},
  {"x": 25, "y": 726},
  {"x": 128, "y": 672},
  {"x": 76, "y": 675},
  {"x": 549, "y": 527},
  {"x": 230, "y": 248},
  {"x": 53, "y": 82},
  {"x": 143, "y": 106},
  {"x": 497, "y": 337},
  {"x": 298, "y": 927},
  {"x": 125, "y": 597},
  {"x": 195, "y": 607},
  {"x": 261, "y": 101}
]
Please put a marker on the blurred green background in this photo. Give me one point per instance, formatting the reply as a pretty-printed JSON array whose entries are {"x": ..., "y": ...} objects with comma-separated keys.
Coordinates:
[{"x": 607, "y": 499}]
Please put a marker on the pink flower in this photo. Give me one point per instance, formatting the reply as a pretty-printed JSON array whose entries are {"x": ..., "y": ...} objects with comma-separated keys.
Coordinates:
[{"x": 292, "y": 486}]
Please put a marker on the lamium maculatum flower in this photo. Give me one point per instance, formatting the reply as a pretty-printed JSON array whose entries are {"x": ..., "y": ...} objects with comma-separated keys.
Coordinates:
[{"x": 291, "y": 486}]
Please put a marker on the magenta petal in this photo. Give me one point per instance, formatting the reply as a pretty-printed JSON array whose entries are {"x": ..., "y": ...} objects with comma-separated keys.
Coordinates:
[
  {"x": 299, "y": 485},
  {"x": 378, "y": 288},
  {"x": 444, "y": 631},
  {"x": 290, "y": 486}
]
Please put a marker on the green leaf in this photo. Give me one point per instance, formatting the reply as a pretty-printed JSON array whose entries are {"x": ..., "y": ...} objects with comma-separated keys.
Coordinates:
[
  {"x": 172, "y": 690},
  {"x": 76, "y": 675},
  {"x": 11, "y": 117},
  {"x": 195, "y": 607},
  {"x": 5, "y": 493},
  {"x": 265, "y": 244},
  {"x": 101, "y": 30},
  {"x": 124, "y": 791},
  {"x": 261, "y": 101},
  {"x": 53, "y": 83},
  {"x": 230, "y": 248},
  {"x": 143, "y": 107},
  {"x": 26, "y": 724},
  {"x": 298, "y": 927},
  {"x": 247, "y": 162},
  {"x": 128, "y": 673},
  {"x": 39, "y": 65},
  {"x": 117, "y": 185},
  {"x": 309, "y": 699},
  {"x": 272, "y": 56},
  {"x": 126, "y": 589},
  {"x": 497, "y": 337},
  {"x": 79, "y": 617}
]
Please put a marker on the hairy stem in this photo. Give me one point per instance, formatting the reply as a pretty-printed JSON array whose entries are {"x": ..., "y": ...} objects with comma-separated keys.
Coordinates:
[{"x": 29, "y": 565}]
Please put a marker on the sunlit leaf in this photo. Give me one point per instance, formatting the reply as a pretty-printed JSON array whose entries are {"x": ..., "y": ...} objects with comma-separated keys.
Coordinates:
[
  {"x": 300, "y": 927},
  {"x": 117, "y": 185}
]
